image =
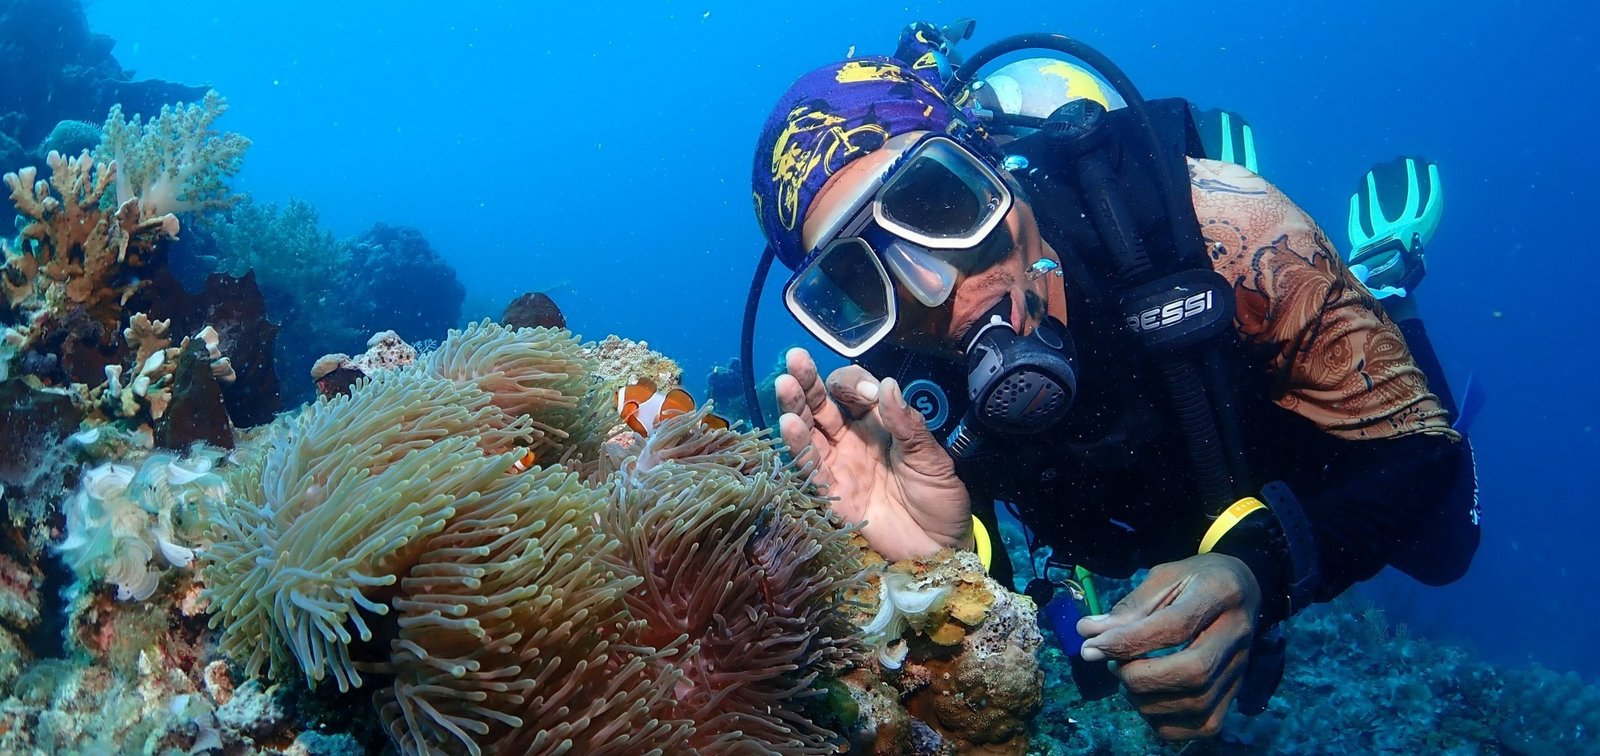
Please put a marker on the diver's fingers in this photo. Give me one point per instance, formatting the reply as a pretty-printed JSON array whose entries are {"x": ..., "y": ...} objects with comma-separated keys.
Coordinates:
[
  {"x": 1160, "y": 588},
  {"x": 824, "y": 413},
  {"x": 791, "y": 398},
  {"x": 1176, "y": 619},
  {"x": 809, "y": 448},
  {"x": 1206, "y": 724},
  {"x": 854, "y": 389},
  {"x": 1177, "y": 682},
  {"x": 913, "y": 442}
]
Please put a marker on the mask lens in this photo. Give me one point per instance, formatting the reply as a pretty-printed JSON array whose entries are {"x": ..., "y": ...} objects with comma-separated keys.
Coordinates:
[
  {"x": 928, "y": 278},
  {"x": 943, "y": 198},
  {"x": 844, "y": 297}
]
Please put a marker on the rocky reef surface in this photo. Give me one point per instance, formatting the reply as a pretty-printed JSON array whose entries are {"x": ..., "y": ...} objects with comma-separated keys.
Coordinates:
[{"x": 1355, "y": 683}]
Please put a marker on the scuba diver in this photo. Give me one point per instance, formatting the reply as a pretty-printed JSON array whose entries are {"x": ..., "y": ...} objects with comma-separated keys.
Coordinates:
[{"x": 1050, "y": 296}]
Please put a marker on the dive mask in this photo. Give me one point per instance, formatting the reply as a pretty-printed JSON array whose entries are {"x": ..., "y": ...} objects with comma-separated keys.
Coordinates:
[{"x": 911, "y": 225}]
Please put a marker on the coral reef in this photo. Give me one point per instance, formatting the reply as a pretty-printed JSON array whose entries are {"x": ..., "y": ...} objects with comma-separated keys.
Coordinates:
[
  {"x": 76, "y": 266},
  {"x": 1364, "y": 685},
  {"x": 57, "y": 70},
  {"x": 176, "y": 162},
  {"x": 962, "y": 650},
  {"x": 441, "y": 530},
  {"x": 623, "y": 361},
  {"x": 693, "y": 595},
  {"x": 34, "y": 469},
  {"x": 296, "y": 264},
  {"x": 83, "y": 282},
  {"x": 66, "y": 279},
  {"x": 328, "y": 295},
  {"x": 155, "y": 706},
  {"x": 121, "y": 517},
  {"x": 337, "y": 373},
  {"x": 1356, "y": 684},
  {"x": 236, "y": 311},
  {"x": 395, "y": 280},
  {"x": 534, "y": 309},
  {"x": 145, "y": 390},
  {"x": 197, "y": 412},
  {"x": 19, "y": 615},
  {"x": 382, "y": 534},
  {"x": 73, "y": 256}
]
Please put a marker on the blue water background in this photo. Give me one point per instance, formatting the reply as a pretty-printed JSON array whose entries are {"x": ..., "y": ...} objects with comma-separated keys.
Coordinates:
[{"x": 603, "y": 150}]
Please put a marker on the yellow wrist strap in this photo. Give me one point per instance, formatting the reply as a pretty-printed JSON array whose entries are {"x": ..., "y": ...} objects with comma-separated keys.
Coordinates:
[
  {"x": 1225, "y": 521},
  {"x": 981, "y": 542}
]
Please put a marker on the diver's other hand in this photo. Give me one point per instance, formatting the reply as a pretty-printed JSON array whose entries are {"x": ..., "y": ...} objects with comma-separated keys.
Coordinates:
[
  {"x": 1206, "y": 606},
  {"x": 876, "y": 457}
]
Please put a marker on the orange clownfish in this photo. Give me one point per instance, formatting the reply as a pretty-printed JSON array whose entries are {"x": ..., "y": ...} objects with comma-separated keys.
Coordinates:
[
  {"x": 525, "y": 462},
  {"x": 642, "y": 406}
]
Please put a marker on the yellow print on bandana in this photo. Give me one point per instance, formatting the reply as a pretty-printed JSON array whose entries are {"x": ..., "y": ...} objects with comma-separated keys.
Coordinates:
[
  {"x": 792, "y": 164},
  {"x": 857, "y": 71}
]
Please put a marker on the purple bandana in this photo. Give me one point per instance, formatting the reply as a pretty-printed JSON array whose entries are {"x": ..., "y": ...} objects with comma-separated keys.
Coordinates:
[{"x": 828, "y": 118}]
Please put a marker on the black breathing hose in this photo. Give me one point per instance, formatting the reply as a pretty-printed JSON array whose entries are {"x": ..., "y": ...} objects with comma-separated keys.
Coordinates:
[
  {"x": 1199, "y": 427},
  {"x": 747, "y": 338}
]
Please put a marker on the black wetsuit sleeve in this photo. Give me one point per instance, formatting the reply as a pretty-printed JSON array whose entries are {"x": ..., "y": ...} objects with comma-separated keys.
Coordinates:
[{"x": 1367, "y": 503}]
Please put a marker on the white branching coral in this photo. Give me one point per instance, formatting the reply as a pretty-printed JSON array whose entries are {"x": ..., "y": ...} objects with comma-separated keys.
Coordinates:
[
  {"x": 175, "y": 161},
  {"x": 122, "y": 517},
  {"x": 149, "y": 382}
]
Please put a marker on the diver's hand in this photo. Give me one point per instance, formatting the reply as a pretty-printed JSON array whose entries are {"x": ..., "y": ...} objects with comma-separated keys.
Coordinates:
[
  {"x": 876, "y": 458},
  {"x": 1207, "y": 605}
]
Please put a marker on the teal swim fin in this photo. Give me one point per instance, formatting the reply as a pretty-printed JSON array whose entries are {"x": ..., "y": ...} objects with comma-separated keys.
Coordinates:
[
  {"x": 1394, "y": 214},
  {"x": 1227, "y": 137}
]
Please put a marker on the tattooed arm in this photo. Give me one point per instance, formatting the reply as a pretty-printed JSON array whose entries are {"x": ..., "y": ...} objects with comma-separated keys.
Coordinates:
[{"x": 1337, "y": 361}]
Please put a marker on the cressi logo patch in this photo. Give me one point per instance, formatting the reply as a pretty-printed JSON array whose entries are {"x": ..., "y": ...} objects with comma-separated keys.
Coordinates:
[{"x": 926, "y": 397}]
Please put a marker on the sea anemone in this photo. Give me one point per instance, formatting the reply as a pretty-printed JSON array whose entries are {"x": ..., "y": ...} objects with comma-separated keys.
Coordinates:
[
  {"x": 749, "y": 567},
  {"x": 513, "y": 634},
  {"x": 338, "y": 506},
  {"x": 539, "y": 373},
  {"x": 684, "y": 603}
]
